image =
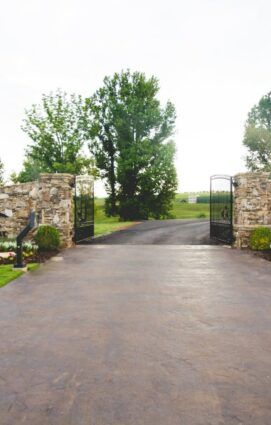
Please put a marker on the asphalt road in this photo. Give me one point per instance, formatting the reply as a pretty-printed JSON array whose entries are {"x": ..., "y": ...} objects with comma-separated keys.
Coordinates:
[
  {"x": 138, "y": 335},
  {"x": 161, "y": 232}
]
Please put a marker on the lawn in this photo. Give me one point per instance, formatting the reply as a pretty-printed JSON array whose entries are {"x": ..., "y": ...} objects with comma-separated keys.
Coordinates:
[
  {"x": 104, "y": 225},
  {"x": 185, "y": 210},
  {"x": 181, "y": 210},
  {"x": 7, "y": 273}
]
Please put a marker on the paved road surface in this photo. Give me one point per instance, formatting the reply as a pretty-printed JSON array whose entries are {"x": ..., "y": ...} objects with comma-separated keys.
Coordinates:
[
  {"x": 168, "y": 232},
  {"x": 138, "y": 335}
]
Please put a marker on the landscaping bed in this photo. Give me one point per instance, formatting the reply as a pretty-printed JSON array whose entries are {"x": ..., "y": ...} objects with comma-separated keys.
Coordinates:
[
  {"x": 31, "y": 253},
  {"x": 260, "y": 242},
  {"x": 46, "y": 245},
  {"x": 263, "y": 254}
]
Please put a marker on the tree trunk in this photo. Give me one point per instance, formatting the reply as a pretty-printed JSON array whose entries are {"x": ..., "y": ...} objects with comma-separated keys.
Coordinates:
[{"x": 112, "y": 179}]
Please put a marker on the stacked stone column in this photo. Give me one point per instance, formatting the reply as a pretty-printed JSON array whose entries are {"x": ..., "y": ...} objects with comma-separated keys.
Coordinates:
[
  {"x": 252, "y": 205},
  {"x": 51, "y": 199}
]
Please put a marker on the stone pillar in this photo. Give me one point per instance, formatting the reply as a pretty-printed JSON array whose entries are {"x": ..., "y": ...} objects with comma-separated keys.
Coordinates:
[
  {"x": 17, "y": 201},
  {"x": 55, "y": 206},
  {"x": 50, "y": 197},
  {"x": 252, "y": 205}
]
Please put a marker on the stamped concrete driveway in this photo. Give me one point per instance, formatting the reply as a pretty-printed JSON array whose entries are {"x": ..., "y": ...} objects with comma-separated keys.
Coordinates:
[{"x": 138, "y": 335}]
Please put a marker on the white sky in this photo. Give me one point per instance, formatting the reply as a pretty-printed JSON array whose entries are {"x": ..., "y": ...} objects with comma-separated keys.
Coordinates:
[{"x": 212, "y": 58}]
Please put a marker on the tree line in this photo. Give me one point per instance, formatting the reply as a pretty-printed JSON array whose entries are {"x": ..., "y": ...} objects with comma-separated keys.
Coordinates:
[{"x": 121, "y": 133}]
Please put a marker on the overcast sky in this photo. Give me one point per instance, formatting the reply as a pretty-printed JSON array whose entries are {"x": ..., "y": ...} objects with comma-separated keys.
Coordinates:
[{"x": 212, "y": 58}]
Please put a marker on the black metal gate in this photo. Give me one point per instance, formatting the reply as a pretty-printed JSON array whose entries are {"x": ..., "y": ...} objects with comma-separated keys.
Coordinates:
[
  {"x": 83, "y": 209},
  {"x": 221, "y": 208}
]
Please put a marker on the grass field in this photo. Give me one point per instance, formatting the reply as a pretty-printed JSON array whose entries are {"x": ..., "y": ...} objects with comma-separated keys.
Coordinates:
[
  {"x": 7, "y": 273},
  {"x": 181, "y": 210},
  {"x": 104, "y": 225},
  {"x": 201, "y": 195},
  {"x": 185, "y": 210}
]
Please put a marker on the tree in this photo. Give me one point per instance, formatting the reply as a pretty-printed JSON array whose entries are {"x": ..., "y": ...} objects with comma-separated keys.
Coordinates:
[
  {"x": 104, "y": 139},
  {"x": 30, "y": 172},
  {"x": 131, "y": 144},
  {"x": 1, "y": 173},
  {"x": 257, "y": 137},
  {"x": 58, "y": 133}
]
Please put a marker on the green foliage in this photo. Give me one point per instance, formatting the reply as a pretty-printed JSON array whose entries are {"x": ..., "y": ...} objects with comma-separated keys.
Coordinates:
[
  {"x": 260, "y": 239},
  {"x": 30, "y": 172},
  {"x": 104, "y": 224},
  {"x": 1, "y": 173},
  {"x": 130, "y": 140},
  {"x": 47, "y": 238},
  {"x": 58, "y": 130},
  {"x": 32, "y": 266},
  {"x": 257, "y": 137},
  {"x": 183, "y": 210},
  {"x": 104, "y": 139},
  {"x": 201, "y": 215},
  {"x": 29, "y": 250},
  {"x": 7, "y": 273},
  {"x": 10, "y": 245}
]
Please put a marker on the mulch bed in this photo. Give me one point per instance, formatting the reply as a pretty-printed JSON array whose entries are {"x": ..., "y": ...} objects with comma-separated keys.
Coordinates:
[
  {"x": 40, "y": 257},
  {"x": 263, "y": 254}
]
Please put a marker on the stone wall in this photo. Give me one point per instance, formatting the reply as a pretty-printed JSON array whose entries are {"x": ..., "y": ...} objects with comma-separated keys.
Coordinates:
[
  {"x": 252, "y": 205},
  {"x": 50, "y": 197},
  {"x": 16, "y": 201}
]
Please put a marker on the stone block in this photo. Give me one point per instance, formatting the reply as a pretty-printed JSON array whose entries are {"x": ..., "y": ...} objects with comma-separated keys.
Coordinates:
[{"x": 4, "y": 196}]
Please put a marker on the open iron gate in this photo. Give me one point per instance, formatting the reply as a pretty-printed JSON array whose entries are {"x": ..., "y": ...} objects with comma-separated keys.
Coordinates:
[
  {"x": 221, "y": 208},
  {"x": 83, "y": 209}
]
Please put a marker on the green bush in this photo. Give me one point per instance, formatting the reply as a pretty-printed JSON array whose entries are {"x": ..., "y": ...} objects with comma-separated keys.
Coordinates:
[
  {"x": 47, "y": 238},
  {"x": 260, "y": 239}
]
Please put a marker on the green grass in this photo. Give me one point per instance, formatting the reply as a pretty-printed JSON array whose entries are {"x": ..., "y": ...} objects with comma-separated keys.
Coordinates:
[
  {"x": 32, "y": 266},
  {"x": 105, "y": 225},
  {"x": 7, "y": 273},
  {"x": 185, "y": 211},
  {"x": 201, "y": 195}
]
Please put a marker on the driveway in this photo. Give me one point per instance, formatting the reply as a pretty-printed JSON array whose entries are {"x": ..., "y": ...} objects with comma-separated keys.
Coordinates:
[
  {"x": 162, "y": 232},
  {"x": 138, "y": 335}
]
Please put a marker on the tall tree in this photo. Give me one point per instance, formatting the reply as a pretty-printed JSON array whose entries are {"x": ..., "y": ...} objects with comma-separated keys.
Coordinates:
[
  {"x": 58, "y": 133},
  {"x": 134, "y": 145},
  {"x": 104, "y": 139},
  {"x": 257, "y": 137}
]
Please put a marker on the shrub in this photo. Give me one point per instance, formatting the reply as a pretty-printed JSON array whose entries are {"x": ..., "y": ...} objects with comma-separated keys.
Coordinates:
[
  {"x": 260, "y": 239},
  {"x": 47, "y": 238}
]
